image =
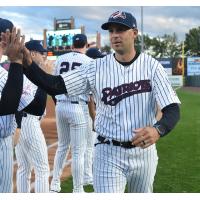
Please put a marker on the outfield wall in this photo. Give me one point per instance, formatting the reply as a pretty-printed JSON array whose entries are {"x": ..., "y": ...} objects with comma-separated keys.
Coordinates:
[{"x": 192, "y": 81}]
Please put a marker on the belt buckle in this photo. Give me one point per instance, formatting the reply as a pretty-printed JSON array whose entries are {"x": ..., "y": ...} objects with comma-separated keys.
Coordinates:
[
  {"x": 121, "y": 144},
  {"x": 107, "y": 141}
]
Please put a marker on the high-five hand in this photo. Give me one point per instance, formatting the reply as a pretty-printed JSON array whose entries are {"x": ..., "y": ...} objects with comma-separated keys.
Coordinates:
[
  {"x": 27, "y": 60},
  {"x": 13, "y": 44}
]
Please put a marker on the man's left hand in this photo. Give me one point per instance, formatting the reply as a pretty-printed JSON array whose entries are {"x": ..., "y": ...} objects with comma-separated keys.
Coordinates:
[{"x": 144, "y": 137}]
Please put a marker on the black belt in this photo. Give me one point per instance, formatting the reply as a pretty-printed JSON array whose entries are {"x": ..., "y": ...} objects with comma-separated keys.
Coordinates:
[
  {"x": 77, "y": 102},
  {"x": 103, "y": 140},
  {"x": 73, "y": 102},
  {"x": 25, "y": 115}
]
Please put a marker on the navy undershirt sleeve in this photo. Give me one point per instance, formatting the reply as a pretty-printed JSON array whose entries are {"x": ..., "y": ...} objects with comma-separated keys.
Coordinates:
[
  {"x": 12, "y": 90},
  {"x": 38, "y": 105},
  {"x": 170, "y": 117},
  {"x": 53, "y": 85}
]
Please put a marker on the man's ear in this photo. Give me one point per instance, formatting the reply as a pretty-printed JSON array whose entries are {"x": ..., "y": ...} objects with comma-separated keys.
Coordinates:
[
  {"x": 32, "y": 54},
  {"x": 135, "y": 31}
]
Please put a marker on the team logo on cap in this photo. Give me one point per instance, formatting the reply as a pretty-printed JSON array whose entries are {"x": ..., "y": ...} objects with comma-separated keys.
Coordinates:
[{"x": 118, "y": 14}]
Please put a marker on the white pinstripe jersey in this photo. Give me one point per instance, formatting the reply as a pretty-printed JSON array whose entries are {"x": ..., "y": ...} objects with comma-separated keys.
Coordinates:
[
  {"x": 68, "y": 62},
  {"x": 126, "y": 96},
  {"x": 7, "y": 122}
]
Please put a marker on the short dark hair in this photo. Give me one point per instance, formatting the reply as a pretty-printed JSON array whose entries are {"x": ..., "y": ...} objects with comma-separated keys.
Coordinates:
[
  {"x": 79, "y": 40},
  {"x": 94, "y": 53},
  {"x": 35, "y": 45},
  {"x": 4, "y": 25}
]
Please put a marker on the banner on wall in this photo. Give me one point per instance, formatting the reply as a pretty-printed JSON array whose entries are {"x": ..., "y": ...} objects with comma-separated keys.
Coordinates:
[
  {"x": 167, "y": 64},
  {"x": 176, "y": 80},
  {"x": 193, "y": 66},
  {"x": 178, "y": 66}
]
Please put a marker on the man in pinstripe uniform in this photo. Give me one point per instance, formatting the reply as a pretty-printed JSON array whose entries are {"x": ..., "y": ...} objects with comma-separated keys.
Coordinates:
[
  {"x": 127, "y": 85},
  {"x": 14, "y": 94},
  {"x": 72, "y": 119},
  {"x": 31, "y": 150}
]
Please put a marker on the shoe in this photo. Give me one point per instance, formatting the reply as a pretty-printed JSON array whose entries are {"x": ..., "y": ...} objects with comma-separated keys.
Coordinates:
[
  {"x": 53, "y": 191},
  {"x": 88, "y": 183}
]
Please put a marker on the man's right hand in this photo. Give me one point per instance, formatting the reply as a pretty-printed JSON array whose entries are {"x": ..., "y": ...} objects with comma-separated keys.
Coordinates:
[
  {"x": 13, "y": 45},
  {"x": 27, "y": 60}
]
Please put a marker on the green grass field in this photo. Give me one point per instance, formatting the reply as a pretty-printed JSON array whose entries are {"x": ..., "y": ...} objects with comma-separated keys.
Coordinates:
[{"x": 179, "y": 153}]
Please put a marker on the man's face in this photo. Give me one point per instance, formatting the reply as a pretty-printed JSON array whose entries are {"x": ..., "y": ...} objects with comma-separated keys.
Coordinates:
[
  {"x": 122, "y": 38},
  {"x": 38, "y": 57},
  {"x": 2, "y": 48}
]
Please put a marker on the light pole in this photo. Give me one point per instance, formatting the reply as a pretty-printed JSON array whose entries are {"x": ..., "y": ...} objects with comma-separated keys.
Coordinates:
[
  {"x": 183, "y": 56},
  {"x": 142, "y": 38}
]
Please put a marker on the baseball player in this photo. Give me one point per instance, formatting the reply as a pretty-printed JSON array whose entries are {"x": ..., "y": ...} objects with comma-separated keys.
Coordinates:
[
  {"x": 15, "y": 94},
  {"x": 127, "y": 85},
  {"x": 94, "y": 53},
  {"x": 72, "y": 118},
  {"x": 31, "y": 150}
]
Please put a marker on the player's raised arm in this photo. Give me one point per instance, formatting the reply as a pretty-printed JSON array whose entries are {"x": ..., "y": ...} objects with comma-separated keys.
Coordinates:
[
  {"x": 11, "y": 45},
  {"x": 53, "y": 85}
]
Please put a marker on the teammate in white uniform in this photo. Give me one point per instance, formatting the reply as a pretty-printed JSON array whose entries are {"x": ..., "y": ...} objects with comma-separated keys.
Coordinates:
[
  {"x": 93, "y": 53},
  {"x": 31, "y": 150},
  {"x": 127, "y": 85},
  {"x": 72, "y": 119},
  {"x": 14, "y": 93}
]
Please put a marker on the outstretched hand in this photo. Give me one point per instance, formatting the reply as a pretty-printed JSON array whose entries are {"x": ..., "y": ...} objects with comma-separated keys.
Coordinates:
[
  {"x": 144, "y": 137},
  {"x": 13, "y": 44},
  {"x": 3, "y": 41},
  {"x": 27, "y": 60}
]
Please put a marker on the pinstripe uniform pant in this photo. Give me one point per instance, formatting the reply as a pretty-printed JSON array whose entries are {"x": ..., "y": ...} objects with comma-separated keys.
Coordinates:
[
  {"x": 72, "y": 126},
  {"x": 89, "y": 154},
  {"x": 114, "y": 167},
  {"x": 31, "y": 152},
  {"x": 6, "y": 164}
]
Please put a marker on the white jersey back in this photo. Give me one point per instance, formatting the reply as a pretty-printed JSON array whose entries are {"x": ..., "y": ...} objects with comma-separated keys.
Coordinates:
[
  {"x": 7, "y": 122},
  {"x": 125, "y": 96},
  {"x": 69, "y": 62}
]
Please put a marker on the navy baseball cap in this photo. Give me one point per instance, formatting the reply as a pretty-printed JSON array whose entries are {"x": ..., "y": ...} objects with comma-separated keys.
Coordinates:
[
  {"x": 35, "y": 45},
  {"x": 5, "y": 24},
  {"x": 79, "y": 38},
  {"x": 94, "y": 53},
  {"x": 122, "y": 18}
]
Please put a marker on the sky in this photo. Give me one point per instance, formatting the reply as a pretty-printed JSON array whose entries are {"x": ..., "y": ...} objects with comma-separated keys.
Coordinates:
[{"x": 157, "y": 20}]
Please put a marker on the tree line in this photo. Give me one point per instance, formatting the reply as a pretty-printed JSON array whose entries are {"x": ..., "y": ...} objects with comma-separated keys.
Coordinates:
[{"x": 168, "y": 45}]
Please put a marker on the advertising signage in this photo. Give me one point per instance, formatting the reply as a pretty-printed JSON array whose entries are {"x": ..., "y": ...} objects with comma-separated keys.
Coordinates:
[
  {"x": 58, "y": 42},
  {"x": 193, "y": 66},
  {"x": 167, "y": 64},
  {"x": 63, "y": 24}
]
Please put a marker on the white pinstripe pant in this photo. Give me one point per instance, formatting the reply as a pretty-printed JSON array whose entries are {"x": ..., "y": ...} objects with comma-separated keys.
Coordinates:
[
  {"x": 114, "y": 167},
  {"x": 72, "y": 126},
  {"x": 89, "y": 154},
  {"x": 6, "y": 164},
  {"x": 31, "y": 152}
]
